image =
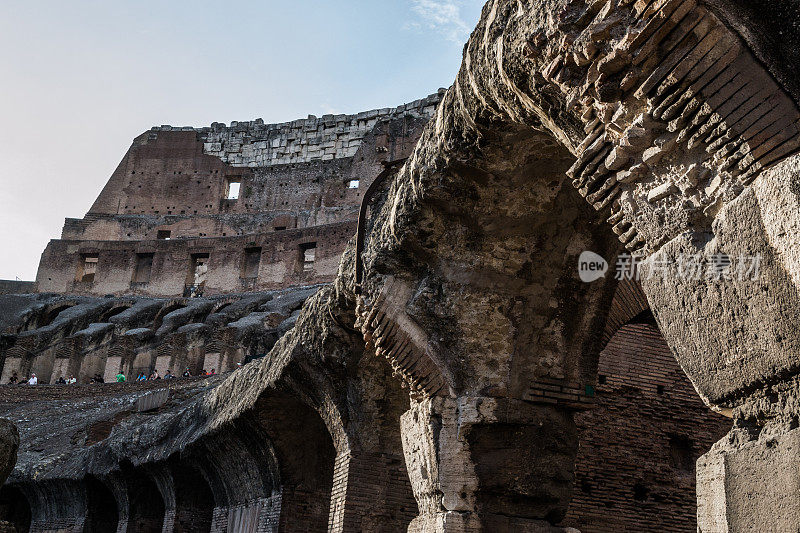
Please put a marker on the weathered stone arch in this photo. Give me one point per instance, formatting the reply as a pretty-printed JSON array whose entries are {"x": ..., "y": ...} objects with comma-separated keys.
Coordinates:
[
  {"x": 165, "y": 310},
  {"x": 305, "y": 455},
  {"x": 147, "y": 506},
  {"x": 490, "y": 296},
  {"x": 241, "y": 469},
  {"x": 194, "y": 500},
  {"x": 15, "y": 507},
  {"x": 670, "y": 123},
  {"x": 102, "y": 513},
  {"x": 49, "y": 314},
  {"x": 114, "y": 311},
  {"x": 117, "y": 484},
  {"x": 56, "y": 505}
]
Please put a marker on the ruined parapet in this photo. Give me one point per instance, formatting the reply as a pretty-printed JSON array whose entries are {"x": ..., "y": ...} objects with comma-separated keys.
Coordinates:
[{"x": 255, "y": 144}]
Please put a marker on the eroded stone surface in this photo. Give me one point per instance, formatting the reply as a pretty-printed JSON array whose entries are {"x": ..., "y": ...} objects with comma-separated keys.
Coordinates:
[{"x": 573, "y": 125}]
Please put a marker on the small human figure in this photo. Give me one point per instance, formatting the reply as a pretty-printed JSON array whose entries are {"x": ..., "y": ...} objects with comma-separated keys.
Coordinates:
[
  {"x": 155, "y": 375},
  {"x": 186, "y": 373},
  {"x": 71, "y": 380},
  {"x": 142, "y": 377},
  {"x": 61, "y": 381},
  {"x": 14, "y": 378},
  {"x": 120, "y": 377},
  {"x": 213, "y": 372},
  {"x": 34, "y": 380},
  {"x": 169, "y": 374}
]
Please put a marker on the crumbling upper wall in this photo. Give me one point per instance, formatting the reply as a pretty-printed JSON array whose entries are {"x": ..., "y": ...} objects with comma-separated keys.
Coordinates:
[{"x": 254, "y": 143}]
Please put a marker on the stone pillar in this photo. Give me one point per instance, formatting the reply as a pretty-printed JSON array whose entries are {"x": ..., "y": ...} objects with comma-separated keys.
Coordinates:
[
  {"x": 735, "y": 335},
  {"x": 488, "y": 464},
  {"x": 750, "y": 481}
]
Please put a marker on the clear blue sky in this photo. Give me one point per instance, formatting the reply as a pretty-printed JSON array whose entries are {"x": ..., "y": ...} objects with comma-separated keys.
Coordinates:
[{"x": 82, "y": 78}]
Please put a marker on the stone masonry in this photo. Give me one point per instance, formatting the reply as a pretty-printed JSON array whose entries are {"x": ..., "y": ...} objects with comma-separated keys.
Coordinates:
[{"x": 419, "y": 352}]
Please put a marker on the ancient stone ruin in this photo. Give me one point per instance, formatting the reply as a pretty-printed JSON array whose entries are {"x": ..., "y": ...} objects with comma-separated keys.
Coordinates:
[{"x": 394, "y": 309}]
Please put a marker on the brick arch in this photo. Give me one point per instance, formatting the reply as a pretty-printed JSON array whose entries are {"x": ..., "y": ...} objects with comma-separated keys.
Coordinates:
[
  {"x": 239, "y": 464},
  {"x": 629, "y": 302},
  {"x": 15, "y": 507},
  {"x": 194, "y": 499},
  {"x": 167, "y": 309},
  {"x": 58, "y": 504},
  {"x": 222, "y": 305},
  {"x": 146, "y": 504},
  {"x": 102, "y": 513},
  {"x": 49, "y": 314},
  {"x": 305, "y": 455},
  {"x": 114, "y": 311}
]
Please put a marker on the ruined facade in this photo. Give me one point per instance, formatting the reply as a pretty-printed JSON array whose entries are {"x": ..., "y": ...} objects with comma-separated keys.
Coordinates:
[
  {"x": 230, "y": 209},
  {"x": 454, "y": 373}
]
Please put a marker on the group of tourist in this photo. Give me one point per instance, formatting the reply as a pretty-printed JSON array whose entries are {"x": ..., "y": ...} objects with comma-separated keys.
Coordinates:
[
  {"x": 98, "y": 378},
  {"x": 33, "y": 380},
  {"x": 169, "y": 375}
]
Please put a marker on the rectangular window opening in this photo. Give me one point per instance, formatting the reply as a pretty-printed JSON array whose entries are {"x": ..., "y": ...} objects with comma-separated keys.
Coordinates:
[
  {"x": 353, "y": 184},
  {"x": 308, "y": 253},
  {"x": 144, "y": 265},
  {"x": 163, "y": 234},
  {"x": 87, "y": 268},
  {"x": 251, "y": 262},
  {"x": 232, "y": 189},
  {"x": 197, "y": 270}
]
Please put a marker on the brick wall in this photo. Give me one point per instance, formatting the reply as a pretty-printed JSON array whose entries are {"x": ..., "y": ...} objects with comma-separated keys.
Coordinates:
[
  {"x": 168, "y": 198},
  {"x": 639, "y": 445},
  {"x": 371, "y": 492}
]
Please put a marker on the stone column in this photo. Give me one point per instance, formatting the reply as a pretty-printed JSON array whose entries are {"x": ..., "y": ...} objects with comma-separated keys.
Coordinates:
[
  {"x": 734, "y": 332},
  {"x": 488, "y": 464}
]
